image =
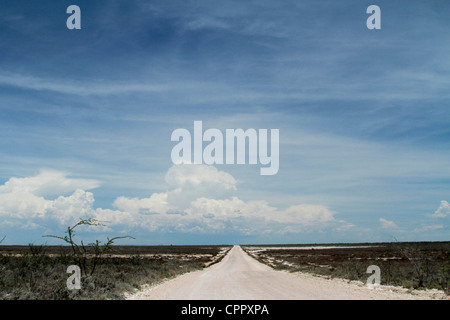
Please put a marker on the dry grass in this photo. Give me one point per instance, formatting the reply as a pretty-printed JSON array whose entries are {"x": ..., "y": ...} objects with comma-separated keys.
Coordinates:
[
  {"x": 424, "y": 265},
  {"x": 39, "y": 272}
]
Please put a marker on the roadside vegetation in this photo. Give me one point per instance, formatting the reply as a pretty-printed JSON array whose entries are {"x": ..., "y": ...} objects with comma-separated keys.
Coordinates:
[
  {"x": 108, "y": 271},
  {"x": 412, "y": 265}
]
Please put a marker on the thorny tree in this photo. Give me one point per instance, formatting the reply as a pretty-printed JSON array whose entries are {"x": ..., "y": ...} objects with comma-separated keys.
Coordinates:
[{"x": 87, "y": 256}]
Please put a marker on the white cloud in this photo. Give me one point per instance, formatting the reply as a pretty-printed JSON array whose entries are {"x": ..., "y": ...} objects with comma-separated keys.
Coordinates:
[
  {"x": 67, "y": 209},
  {"x": 307, "y": 214},
  {"x": 22, "y": 204},
  {"x": 188, "y": 175},
  {"x": 200, "y": 199},
  {"x": 188, "y": 182},
  {"x": 156, "y": 203},
  {"x": 303, "y": 214},
  {"x": 47, "y": 182},
  {"x": 23, "y": 198},
  {"x": 387, "y": 224},
  {"x": 443, "y": 210},
  {"x": 77, "y": 88}
]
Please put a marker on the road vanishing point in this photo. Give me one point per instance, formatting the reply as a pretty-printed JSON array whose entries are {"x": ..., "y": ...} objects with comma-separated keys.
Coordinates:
[{"x": 238, "y": 276}]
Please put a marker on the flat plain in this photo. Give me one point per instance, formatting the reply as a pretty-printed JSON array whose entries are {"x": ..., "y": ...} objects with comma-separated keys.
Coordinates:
[
  {"x": 414, "y": 270},
  {"x": 40, "y": 271}
]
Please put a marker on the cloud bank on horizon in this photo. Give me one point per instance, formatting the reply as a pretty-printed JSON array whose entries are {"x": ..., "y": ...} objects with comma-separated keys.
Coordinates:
[{"x": 200, "y": 200}]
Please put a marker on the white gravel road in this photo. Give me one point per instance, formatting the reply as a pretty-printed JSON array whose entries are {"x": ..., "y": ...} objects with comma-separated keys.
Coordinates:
[{"x": 240, "y": 277}]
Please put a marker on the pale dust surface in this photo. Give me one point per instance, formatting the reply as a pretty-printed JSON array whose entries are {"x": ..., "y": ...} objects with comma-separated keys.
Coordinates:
[{"x": 240, "y": 277}]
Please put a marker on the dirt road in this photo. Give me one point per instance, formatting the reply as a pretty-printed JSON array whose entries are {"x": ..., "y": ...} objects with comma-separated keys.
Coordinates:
[{"x": 240, "y": 277}]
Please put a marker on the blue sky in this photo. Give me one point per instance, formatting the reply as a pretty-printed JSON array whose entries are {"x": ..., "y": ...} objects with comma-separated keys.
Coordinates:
[{"x": 86, "y": 118}]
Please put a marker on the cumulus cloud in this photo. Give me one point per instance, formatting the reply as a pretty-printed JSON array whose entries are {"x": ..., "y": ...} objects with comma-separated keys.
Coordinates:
[
  {"x": 199, "y": 199},
  {"x": 307, "y": 214},
  {"x": 226, "y": 208},
  {"x": 443, "y": 210},
  {"x": 66, "y": 209},
  {"x": 47, "y": 182},
  {"x": 387, "y": 224},
  {"x": 23, "y": 198},
  {"x": 188, "y": 182},
  {"x": 155, "y": 204},
  {"x": 22, "y": 204}
]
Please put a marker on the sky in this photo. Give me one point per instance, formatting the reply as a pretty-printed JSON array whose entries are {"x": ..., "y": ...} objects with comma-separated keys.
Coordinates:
[{"x": 86, "y": 117}]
